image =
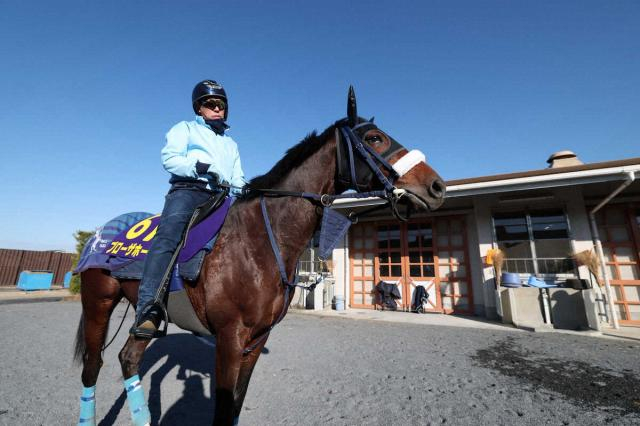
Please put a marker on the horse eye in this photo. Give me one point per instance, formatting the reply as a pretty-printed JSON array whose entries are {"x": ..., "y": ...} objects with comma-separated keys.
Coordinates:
[{"x": 374, "y": 139}]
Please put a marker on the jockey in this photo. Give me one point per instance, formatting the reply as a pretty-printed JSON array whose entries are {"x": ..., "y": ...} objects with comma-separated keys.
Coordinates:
[{"x": 199, "y": 155}]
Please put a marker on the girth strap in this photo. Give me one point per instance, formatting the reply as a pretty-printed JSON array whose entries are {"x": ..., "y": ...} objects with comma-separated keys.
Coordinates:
[
  {"x": 274, "y": 244},
  {"x": 288, "y": 285}
]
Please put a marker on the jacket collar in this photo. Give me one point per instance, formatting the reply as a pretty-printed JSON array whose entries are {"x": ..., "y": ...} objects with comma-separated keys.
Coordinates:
[{"x": 200, "y": 121}]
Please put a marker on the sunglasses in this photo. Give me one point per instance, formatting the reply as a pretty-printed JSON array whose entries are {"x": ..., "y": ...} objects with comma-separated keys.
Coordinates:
[{"x": 213, "y": 103}]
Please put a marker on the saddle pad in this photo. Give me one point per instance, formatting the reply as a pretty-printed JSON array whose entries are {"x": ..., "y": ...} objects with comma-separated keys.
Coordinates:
[
  {"x": 125, "y": 240},
  {"x": 188, "y": 270},
  {"x": 93, "y": 255},
  {"x": 135, "y": 241}
]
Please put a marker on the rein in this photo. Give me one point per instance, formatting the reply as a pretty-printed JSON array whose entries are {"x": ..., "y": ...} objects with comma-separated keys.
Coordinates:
[{"x": 352, "y": 141}]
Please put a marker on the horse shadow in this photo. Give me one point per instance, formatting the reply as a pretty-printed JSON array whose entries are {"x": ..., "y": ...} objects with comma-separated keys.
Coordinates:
[{"x": 195, "y": 358}]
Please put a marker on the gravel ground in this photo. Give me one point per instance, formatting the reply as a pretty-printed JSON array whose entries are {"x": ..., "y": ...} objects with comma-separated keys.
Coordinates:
[{"x": 318, "y": 371}]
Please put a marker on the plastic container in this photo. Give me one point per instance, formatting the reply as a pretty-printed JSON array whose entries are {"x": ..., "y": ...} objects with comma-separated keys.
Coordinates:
[
  {"x": 35, "y": 280},
  {"x": 510, "y": 279},
  {"x": 67, "y": 279},
  {"x": 339, "y": 303}
]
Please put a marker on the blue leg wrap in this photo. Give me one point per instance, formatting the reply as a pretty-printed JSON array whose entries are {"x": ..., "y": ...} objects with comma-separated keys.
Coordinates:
[
  {"x": 236, "y": 421},
  {"x": 140, "y": 415},
  {"x": 88, "y": 407}
]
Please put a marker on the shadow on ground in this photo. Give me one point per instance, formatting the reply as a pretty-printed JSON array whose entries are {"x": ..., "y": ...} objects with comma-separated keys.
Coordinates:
[
  {"x": 195, "y": 358},
  {"x": 617, "y": 393}
]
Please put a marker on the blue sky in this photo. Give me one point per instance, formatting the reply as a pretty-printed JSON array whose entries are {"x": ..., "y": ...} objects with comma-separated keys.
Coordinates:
[{"x": 89, "y": 89}]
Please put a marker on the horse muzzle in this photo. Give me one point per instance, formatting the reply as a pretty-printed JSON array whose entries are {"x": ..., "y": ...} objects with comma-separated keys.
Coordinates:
[{"x": 421, "y": 198}]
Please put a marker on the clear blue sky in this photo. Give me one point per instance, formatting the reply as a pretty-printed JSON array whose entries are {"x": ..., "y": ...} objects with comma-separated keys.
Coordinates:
[{"x": 89, "y": 89}]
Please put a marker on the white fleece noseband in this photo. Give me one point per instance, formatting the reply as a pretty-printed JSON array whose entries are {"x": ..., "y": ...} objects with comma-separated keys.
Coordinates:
[{"x": 408, "y": 162}]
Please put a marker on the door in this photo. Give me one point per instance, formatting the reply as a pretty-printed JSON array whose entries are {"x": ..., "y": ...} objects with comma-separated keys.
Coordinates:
[
  {"x": 389, "y": 259},
  {"x": 619, "y": 228},
  {"x": 421, "y": 266},
  {"x": 453, "y": 265},
  {"x": 363, "y": 255},
  {"x": 428, "y": 252}
]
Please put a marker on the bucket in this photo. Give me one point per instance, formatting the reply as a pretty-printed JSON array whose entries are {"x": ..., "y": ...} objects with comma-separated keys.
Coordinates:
[
  {"x": 510, "y": 279},
  {"x": 339, "y": 303}
]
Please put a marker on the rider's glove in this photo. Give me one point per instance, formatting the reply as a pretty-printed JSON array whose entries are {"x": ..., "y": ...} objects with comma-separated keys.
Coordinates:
[
  {"x": 209, "y": 171},
  {"x": 202, "y": 168}
]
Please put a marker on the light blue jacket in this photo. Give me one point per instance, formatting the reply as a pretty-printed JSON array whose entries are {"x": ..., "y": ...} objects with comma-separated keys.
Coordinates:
[{"x": 191, "y": 141}]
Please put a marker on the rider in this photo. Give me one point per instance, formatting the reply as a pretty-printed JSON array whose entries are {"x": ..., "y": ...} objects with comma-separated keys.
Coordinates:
[{"x": 199, "y": 155}]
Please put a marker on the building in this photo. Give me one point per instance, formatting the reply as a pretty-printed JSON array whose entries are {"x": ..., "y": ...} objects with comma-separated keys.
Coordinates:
[{"x": 538, "y": 218}]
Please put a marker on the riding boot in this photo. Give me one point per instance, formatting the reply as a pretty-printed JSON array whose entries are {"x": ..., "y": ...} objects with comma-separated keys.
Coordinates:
[{"x": 148, "y": 325}]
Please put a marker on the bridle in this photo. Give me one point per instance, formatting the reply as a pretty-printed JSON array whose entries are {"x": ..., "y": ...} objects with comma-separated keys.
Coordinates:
[{"x": 356, "y": 172}]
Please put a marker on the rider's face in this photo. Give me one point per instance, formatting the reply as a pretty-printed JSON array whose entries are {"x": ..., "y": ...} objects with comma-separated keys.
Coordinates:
[{"x": 210, "y": 112}]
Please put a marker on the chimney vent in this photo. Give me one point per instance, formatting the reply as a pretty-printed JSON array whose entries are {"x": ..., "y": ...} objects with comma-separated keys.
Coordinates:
[{"x": 563, "y": 159}]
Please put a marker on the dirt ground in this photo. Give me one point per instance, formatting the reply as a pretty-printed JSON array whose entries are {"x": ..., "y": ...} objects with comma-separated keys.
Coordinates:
[{"x": 326, "y": 371}]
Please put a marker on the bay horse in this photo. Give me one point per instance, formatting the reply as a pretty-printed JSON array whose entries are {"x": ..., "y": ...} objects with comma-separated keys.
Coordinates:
[{"x": 239, "y": 295}]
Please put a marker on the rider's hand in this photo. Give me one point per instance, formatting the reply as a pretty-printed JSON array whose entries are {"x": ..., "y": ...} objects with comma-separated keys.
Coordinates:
[
  {"x": 209, "y": 171},
  {"x": 202, "y": 168}
]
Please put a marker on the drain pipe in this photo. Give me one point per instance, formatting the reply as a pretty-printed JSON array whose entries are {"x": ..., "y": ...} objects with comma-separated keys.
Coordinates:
[{"x": 596, "y": 238}]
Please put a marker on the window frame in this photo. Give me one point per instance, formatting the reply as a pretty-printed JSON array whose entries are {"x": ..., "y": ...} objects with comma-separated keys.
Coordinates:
[{"x": 527, "y": 212}]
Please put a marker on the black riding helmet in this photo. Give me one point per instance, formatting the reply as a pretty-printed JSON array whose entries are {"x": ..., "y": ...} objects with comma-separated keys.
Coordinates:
[{"x": 208, "y": 89}]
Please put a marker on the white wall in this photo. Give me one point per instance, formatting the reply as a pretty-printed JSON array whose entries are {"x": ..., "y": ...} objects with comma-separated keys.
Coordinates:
[
  {"x": 340, "y": 257},
  {"x": 485, "y": 276}
]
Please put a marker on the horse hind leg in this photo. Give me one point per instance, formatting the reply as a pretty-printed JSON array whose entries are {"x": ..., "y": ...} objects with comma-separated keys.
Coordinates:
[{"x": 100, "y": 295}]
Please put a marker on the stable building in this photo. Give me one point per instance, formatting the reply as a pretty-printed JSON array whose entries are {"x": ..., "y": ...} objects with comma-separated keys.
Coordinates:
[{"x": 539, "y": 219}]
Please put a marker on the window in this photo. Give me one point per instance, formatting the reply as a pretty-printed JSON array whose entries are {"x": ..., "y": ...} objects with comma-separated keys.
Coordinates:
[{"x": 534, "y": 242}]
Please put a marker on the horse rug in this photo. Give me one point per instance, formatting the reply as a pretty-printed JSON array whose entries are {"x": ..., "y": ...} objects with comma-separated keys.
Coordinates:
[{"x": 122, "y": 244}]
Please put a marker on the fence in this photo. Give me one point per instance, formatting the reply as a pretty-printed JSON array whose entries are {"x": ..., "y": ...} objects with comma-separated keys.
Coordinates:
[{"x": 12, "y": 262}]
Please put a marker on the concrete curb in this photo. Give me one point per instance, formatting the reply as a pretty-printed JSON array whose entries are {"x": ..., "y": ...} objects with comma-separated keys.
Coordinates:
[
  {"x": 72, "y": 298},
  {"x": 13, "y": 296},
  {"x": 442, "y": 321},
  {"x": 33, "y": 300}
]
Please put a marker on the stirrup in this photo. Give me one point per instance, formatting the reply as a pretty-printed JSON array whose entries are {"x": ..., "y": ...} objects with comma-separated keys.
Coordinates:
[{"x": 148, "y": 333}]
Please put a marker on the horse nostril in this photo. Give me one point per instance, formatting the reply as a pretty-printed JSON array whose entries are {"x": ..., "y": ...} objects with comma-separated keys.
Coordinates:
[{"x": 437, "y": 189}]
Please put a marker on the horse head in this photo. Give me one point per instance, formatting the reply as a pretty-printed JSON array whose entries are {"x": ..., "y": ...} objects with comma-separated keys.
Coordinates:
[{"x": 369, "y": 159}]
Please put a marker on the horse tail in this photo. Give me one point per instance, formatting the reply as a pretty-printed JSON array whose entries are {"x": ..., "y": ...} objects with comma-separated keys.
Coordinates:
[{"x": 80, "y": 346}]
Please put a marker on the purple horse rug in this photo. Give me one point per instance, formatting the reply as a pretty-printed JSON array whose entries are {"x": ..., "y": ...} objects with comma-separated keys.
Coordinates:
[{"x": 122, "y": 244}]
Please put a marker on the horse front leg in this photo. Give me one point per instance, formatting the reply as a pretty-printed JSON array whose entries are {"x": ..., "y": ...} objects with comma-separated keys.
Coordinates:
[
  {"x": 246, "y": 369},
  {"x": 229, "y": 346},
  {"x": 130, "y": 357}
]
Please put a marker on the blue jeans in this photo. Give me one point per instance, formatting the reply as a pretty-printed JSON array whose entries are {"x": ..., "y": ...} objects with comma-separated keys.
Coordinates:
[{"x": 179, "y": 206}]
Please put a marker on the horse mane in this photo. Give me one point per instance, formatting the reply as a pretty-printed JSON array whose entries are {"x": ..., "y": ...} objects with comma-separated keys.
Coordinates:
[{"x": 294, "y": 156}]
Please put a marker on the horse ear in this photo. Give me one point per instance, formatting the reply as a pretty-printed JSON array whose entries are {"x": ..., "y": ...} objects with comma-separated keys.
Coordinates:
[
  {"x": 371, "y": 119},
  {"x": 352, "y": 108}
]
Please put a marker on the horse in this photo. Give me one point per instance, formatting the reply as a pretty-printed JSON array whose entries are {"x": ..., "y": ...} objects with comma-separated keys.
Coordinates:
[{"x": 242, "y": 290}]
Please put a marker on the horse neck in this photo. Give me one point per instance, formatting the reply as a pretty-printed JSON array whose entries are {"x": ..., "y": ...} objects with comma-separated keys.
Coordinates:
[{"x": 294, "y": 220}]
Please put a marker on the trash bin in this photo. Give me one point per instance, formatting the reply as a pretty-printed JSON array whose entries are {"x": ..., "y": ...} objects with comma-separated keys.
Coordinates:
[{"x": 35, "y": 280}]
